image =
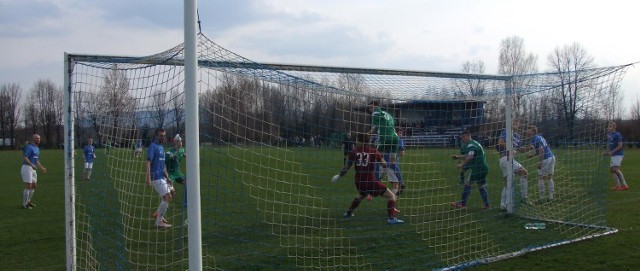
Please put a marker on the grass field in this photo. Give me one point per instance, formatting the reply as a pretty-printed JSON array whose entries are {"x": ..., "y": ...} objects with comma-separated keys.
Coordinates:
[{"x": 34, "y": 239}]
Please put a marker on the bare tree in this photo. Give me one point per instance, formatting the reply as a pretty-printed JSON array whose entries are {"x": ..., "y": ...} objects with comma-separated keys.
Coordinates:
[
  {"x": 46, "y": 113},
  {"x": 515, "y": 61},
  {"x": 177, "y": 103},
  {"x": 159, "y": 108},
  {"x": 570, "y": 64},
  {"x": 471, "y": 87},
  {"x": 11, "y": 98},
  {"x": 118, "y": 101}
]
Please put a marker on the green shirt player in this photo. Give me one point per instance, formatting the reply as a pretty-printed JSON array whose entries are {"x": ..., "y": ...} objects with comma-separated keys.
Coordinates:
[
  {"x": 382, "y": 123},
  {"x": 473, "y": 158},
  {"x": 173, "y": 158}
]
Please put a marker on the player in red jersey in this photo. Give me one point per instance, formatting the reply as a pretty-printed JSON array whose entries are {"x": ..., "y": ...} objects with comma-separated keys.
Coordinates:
[{"x": 365, "y": 157}]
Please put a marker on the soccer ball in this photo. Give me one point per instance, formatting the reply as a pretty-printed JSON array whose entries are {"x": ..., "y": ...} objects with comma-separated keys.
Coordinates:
[{"x": 335, "y": 178}]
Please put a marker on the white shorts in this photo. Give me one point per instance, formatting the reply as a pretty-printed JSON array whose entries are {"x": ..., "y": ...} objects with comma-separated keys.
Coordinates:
[
  {"x": 29, "y": 175},
  {"x": 548, "y": 167},
  {"x": 504, "y": 163},
  {"x": 616, "y": 161},
  {"x": 138, "y": 149},
  {"x": 88, "y": 165},
  {"x": 160, "y": 186}
]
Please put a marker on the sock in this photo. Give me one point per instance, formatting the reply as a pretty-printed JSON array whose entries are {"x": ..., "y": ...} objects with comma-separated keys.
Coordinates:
[
  {"x": 31, "y": 192},
  {"x": 541, "y": 187},
  {"x": 484, "y": 195},
  {"x": 89, "y": 173},
  {"x": 354, "y": 205},
  {"x": 25, "y": 196},
  {"x": 465, "y": 195},
  {"x": 378, "y": 174},
  {"x": 615, "y": 179},
  {"x": 162, "y": 209},
  {"x": 623, "y": 182},
  {"x": 391, "y": 209},
  {"x": 394, "y": 191},
  {"x": 503, "y": 199},
  {"x": 524, "y": 185},
  {"x": 552, "y": 188}
]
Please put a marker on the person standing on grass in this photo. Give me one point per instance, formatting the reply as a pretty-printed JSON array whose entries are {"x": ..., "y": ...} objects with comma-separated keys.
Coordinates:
[
  {"x": 473, "y": 158},
  {"x": 173, "y": 158},
  {"x": 88, "y": 153},
  {"x": 382, "y": 124},
  {"x": 365, "y": 157},
  {"x": 158, "y": 177},
  {"x": 518, "y": 169},
  {"x": 546, "y": 162},
  {"x": 31, "y": 162},
  {"x": 616, "y": 153}
]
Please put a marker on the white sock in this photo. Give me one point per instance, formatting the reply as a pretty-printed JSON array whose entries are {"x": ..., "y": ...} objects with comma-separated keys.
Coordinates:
[
  {"x": 31, "y": 191},
  {"x": 615, "y": 179},
  {"x": 552, "y": 188},
  {"x": 541, "y": 187},
  {"x": 524, "y": 185},
  {"x": 503, "y": 199},
  {"x": 89, "y": 174},
  {"x": 25, "y": 196},
  {"x": 623, "y": 182},
  {"x": 162, "y": 209}
]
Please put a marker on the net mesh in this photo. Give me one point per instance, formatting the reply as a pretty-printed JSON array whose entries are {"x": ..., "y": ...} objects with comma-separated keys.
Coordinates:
[{"x": 271, "y": 138}]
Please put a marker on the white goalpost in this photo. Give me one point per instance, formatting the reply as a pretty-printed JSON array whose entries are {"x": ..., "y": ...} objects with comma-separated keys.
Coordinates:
[{"x": 263, "y": 141}]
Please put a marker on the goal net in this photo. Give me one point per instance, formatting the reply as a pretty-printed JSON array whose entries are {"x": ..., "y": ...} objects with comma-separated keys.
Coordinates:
[{"x": 271, "y": 138}]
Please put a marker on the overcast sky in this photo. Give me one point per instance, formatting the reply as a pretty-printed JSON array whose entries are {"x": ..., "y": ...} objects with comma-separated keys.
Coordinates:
[{"x": 425, "y": 35}]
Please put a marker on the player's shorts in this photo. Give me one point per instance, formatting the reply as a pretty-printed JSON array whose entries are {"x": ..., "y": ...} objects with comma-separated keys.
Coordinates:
[
  {"x": 160, "y": 186},
  {"x": 29, "y": 175},
  {"x": 616, "y": 160},
  {"x": 478, "y": 176},
  {"x": 138, "y": 149},
  {"x": 177, "y": 177},
  {"x": 548, "y": 167},
  {"x": 373, "y": 188},
  {"x": 388, "y": 144},
  {"x": 88, "y": 165},
  {"x": 504, "y": 164}
]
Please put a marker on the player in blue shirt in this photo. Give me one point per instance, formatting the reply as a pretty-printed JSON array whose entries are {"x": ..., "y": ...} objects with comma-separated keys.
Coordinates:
[
  {"x": 30, "y": 162},
  {"x": 546, "y": 161},
  {"x": 88, "y": 153},
  {"x": 158, "y": 177},
  {"x": 616, "y": 153},
  {"x": 517, "y": 167}
]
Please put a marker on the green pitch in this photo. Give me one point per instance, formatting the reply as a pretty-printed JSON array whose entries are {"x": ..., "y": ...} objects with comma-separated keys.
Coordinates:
[{"x": 34, "y": 239}]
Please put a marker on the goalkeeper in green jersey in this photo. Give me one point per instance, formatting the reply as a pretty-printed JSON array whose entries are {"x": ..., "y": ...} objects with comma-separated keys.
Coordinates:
[
  {"x": 473, "y": 158},
  {"x": 382, "y": 123}
]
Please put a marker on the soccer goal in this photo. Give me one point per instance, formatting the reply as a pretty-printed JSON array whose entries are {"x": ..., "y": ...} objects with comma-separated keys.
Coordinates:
[{"x": 271, "y": 137}]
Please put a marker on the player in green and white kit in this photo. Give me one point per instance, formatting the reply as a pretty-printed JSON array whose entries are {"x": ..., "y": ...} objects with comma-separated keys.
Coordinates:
[
  {"x": 382, "y": 123},
  {"x": 173, "y": 157},
  {"x": 473, "y": 158}
]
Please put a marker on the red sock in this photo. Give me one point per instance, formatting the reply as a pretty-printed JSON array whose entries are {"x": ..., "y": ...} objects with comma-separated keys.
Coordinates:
[
  {"x": 354, "y": 204},
  {"x": 391, "y": 208}
]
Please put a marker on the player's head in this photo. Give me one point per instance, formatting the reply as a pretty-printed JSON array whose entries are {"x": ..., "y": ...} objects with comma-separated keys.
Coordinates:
[
  {"x": 465, "y": 136},
  {"x": 363, "y": 138},
  {"x": 178, "y": 144},
  {"x": 532, "y": 130},
  {"x": 399, "y": 131},
  {"x": 612, "y": 126},
  {"x": 36, "y": 139},
  {"x": 160, "y": 135},
  {"x": 372, "y": 106},
  {"x": 90, "y": 141}
]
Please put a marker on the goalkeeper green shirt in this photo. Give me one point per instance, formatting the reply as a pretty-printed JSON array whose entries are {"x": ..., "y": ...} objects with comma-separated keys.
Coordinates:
[
  {"x": 383, "y": 122},
  {"x": 479, "y": 161},
  {"x": 173, "y": 158}
]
